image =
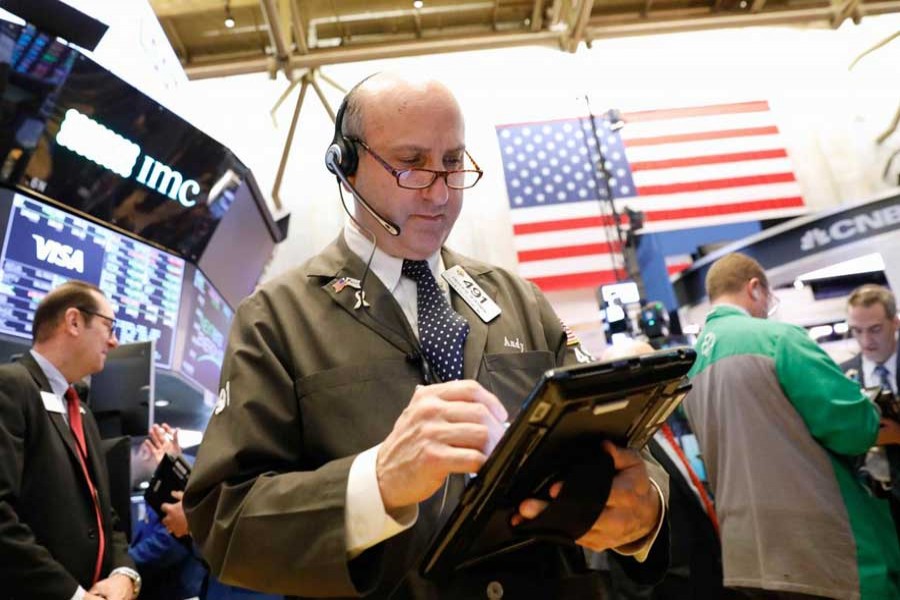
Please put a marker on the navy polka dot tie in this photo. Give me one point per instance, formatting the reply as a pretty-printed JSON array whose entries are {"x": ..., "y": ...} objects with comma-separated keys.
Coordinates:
[{"x": 442, "y": 332}]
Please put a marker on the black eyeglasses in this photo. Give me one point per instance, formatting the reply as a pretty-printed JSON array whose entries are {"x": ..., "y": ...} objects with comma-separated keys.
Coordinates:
[
  {"x": 110, "y": 320},
  {"x": 419, "y": 179}
]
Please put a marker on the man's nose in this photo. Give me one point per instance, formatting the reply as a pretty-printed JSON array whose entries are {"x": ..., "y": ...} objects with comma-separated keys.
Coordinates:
[{"x": 438, "y": 192}]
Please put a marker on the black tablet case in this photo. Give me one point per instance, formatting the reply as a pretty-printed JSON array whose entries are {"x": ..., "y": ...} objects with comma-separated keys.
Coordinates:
[
  {"x": 171, "y": 475},
  {"x": 567, "y": 415}
]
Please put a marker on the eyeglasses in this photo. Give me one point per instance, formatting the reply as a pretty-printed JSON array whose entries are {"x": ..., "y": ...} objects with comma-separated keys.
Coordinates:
[
  {"x": 419, "y": 179},
  {"x": 772, "y": 303},
  {"x": 110, "y": 320}
]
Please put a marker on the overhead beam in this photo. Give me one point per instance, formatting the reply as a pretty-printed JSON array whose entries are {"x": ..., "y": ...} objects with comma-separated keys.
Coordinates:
[
  {"x": 537, "y": 15},
  {"x": 602, "y": 29},
  {"x": 180, "y": 8},
  {"x": 277, "y": 34},
  {"x": 297, "y": 25},
  {"x": 580, "y": 21},
  {"x": 316, "y": 58}
]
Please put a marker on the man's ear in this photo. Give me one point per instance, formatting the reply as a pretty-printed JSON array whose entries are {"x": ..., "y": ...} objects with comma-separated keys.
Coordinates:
[{"x": 71, "y": 319}]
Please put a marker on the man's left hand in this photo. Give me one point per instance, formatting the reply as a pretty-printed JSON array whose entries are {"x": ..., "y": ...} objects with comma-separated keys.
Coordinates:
[
  {"x": 632, "y": 509},
  {"x": 114, "y": 587},
  {"x": 175, "y": 521}
]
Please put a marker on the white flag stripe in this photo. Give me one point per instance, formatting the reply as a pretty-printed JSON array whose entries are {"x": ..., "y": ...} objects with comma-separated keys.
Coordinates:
[
  {"x": 560, "y": 239},
  {"x": 575, "y": 264},
  {"x": 748, "y": 143},
  {"x": 712, "y": 172},
  {"x": 756, "y": 215},
  {"x": 696, "y": 124},
  {"x": 554, "y": 212},
  {"x": 679, "y": 259},
  {"x": 578, "y": 210},
  {"x": 747, "y": 193}
]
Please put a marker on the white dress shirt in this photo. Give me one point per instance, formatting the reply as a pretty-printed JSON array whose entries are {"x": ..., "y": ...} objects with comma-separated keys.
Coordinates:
[{"x": 871, "y": 379}]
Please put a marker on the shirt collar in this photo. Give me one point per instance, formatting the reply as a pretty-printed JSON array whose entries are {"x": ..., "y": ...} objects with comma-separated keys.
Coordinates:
[
  {"x": 57, "y": 380},
  {"x": 386, "y": 267},
  {"x": 718, "y": 305},
  {"x": 869, "y": 365}
]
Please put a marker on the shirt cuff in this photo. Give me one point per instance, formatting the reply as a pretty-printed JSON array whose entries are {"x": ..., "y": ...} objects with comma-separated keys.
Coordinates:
[
  {"x": 367, "y": 521},
  {"x": 640, "y": 549},
  {"x": 79, "y": 594}
]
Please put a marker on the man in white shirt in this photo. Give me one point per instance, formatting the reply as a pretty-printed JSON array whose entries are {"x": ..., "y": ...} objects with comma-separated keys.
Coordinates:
[
  {"x": 59, "y": 537},
  {"x": 872, "y": 317}
]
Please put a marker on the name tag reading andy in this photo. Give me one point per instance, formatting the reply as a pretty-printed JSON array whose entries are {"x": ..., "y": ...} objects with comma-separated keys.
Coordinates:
[{"x": 463, "y": 284}]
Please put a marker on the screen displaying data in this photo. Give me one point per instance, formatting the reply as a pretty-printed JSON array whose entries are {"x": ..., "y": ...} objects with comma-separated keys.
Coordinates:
[
  {"x": 207, "y": 332},
  {"x": 45, "y": 246}
]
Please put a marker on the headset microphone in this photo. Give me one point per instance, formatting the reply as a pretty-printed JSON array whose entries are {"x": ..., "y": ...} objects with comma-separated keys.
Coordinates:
[
  {"x": 333, "y": 164},
  {"x": 341, "y": 159}
]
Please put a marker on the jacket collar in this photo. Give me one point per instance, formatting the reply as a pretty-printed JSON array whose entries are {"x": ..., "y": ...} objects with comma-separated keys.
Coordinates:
[{"x": 337, "y": 260}]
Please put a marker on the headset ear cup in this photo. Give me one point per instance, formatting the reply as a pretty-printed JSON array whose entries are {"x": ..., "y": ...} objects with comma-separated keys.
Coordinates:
[{"x": 341, "y": 149}]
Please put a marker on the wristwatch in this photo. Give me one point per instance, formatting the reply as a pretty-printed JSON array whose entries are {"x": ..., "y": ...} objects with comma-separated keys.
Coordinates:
[{"x": 131, "y": 574}]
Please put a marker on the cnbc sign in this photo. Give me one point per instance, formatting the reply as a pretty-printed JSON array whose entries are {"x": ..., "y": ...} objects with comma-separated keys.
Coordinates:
[{"x": 91, "y": 140}]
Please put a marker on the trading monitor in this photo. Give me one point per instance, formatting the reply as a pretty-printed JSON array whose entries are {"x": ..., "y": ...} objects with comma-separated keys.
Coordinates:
[{"x": 122, "y": 394}]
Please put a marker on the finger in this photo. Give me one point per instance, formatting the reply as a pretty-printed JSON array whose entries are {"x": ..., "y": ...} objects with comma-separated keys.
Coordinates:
[
  {"x": 449, "y": 459},
  {"x": 622, "y": 457},
  {"x": 178, "y": 495},
  {"x": 468, "y": 391},
  {"x": 532, "y": 507}
]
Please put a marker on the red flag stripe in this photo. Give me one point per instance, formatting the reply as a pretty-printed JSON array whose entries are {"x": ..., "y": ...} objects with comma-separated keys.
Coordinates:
[
  {"x": 714, "y": 184},
  {"x": 581, "y": 222},
  {"x": 696, "y": 111},
  {"x": 675, "y": 269},
  {"x": 723, "y": 209},
  {"x": 700, "y": 136},
  {"x": 568, "y": 251},
  {"x": 574, "y": 280},
  {"x": 712, "y": 159}
]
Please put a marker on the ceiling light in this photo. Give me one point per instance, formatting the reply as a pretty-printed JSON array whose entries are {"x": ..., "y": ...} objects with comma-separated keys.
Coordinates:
[
  {"x": 418, "y": 4},
  {"x": 229, "y": 20}
]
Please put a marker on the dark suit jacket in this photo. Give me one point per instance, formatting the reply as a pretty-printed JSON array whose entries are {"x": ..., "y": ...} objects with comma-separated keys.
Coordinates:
[
  {"x": 309, "y": 382},
  {"x": 48, "y": 529},
  {"x": 855, "y": 364}
]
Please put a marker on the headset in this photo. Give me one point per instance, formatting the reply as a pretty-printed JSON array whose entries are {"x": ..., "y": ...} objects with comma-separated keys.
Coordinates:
[{"x": 341, "y": 158}]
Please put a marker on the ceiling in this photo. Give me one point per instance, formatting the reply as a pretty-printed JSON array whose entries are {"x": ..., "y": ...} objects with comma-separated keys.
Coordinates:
[{"x": 287, "y": 35}]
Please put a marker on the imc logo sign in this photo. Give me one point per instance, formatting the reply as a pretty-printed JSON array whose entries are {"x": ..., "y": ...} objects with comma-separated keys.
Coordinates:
[{"x": 91, "y": 140}]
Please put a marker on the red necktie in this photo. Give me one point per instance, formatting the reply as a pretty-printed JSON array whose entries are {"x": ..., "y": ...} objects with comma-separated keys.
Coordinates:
[
  {"x": 704, "y": 497},
  {"x": 75, "y": 424}
]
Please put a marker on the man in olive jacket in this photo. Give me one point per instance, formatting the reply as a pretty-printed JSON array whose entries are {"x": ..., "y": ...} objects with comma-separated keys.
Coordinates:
[{"x": 333, "y": 452}]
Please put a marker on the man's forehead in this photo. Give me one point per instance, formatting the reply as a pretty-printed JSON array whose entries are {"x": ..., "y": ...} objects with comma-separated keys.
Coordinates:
[{"x": 875, "y": 312}]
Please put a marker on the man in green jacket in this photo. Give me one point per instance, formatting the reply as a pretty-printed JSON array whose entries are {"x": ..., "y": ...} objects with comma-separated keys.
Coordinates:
[{"x": 778, "y": 423}]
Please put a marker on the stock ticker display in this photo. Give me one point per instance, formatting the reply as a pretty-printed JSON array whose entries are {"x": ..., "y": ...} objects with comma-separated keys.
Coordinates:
[
  {"x": 45, "y": 246},
  {"x": 207, "y": 333}
]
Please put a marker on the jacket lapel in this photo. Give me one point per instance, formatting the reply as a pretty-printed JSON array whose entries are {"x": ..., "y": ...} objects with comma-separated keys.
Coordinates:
[
  {"x": 476, "y": 341},
  {"x": 383, "y": 315},
  {"x": 59, "y": 422}
]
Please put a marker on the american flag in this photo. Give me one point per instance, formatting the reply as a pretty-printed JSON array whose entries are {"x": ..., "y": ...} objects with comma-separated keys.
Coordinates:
[{"x": 684, "y": 168}]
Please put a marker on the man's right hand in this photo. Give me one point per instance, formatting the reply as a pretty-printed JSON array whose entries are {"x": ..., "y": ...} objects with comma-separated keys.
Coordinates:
[{"x": 446, "y": 428}]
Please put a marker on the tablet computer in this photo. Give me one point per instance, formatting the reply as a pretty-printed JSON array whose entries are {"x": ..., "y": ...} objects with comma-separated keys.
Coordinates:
[
  {"x": 171, "y": 475},
  {"x": 569, "y": 411}
]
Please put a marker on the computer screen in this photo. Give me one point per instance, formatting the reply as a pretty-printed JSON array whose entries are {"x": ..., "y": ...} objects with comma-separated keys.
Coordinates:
[
  {"x": 207, "y": 332},
  {"x": 122, "y": 394},
  {"x": 625, "y": 292},
  {"x": 76, "y": 133},
  {"x": 45, "y": 246}
]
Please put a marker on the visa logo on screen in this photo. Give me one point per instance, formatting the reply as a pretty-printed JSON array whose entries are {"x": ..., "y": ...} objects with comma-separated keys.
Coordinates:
[
  {"x": 59, "y": 254},
  {"x": 95, "y": 142}
]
